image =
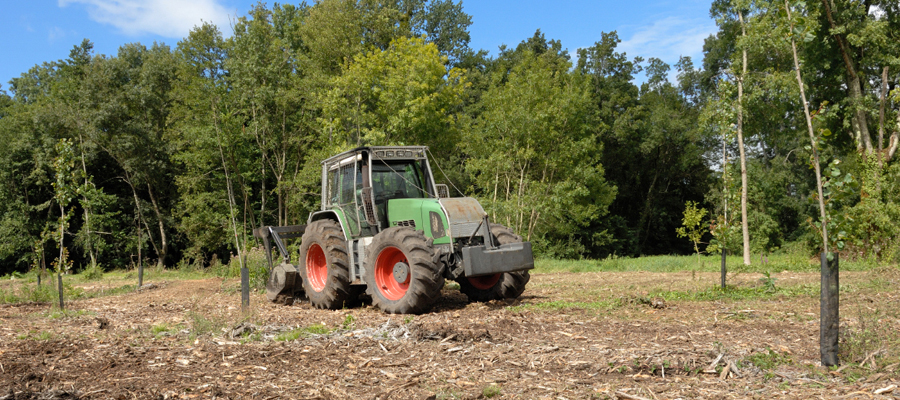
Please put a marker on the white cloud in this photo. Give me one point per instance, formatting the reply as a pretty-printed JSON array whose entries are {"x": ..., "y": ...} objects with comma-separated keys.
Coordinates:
[
  {"x": 668, "y": 39},
  {"x": 55, "y": 34},
  {"x": 167, "y": 18}
]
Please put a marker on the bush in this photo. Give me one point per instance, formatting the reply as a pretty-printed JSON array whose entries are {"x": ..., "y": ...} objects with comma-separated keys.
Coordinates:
[
  {"x": 31, "y": 293},
  {"x": 93, "y": 273},
  {"x": 873, "y": 230},
  {"x": 256, "y": 263}
]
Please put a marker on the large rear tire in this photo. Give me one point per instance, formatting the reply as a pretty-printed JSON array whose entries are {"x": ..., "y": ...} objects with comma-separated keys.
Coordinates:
[
  {"x": 401, "y": 275},
  {"x": 324, "y": 266},
  {"x": 509, "y": 285}
]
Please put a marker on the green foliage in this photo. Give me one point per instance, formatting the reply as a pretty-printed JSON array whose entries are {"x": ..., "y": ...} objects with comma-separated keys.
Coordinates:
[
  {"x": 162, "y": 330},
  {"x": 256, "y": 263},
  {"x": 491, "y": 390},
  {"x": 400, "y": 95},
  {"x": 769, "y": 359},
  {"x": 873, "y": 224},
  {"x": 93, "y": 273},
  {"x": 204, "y": 325},
  {"x": 795, "y": 258},
  {"x": 179, "y": 153},
  {"x": 838, "y": 188},
  {"x": 868, "y": 342},
  {"x": 57, "y": 314},
  {"x": 28, "y": 294},
  {"x": 768, "y": 282},
  {"x": 348, "y": 322},
  {"x": 693, "y": 227},
  {"x": 547, "y": 197},
  {"x": 315, "y": 329},
  {"x": 738, "y": 294}
]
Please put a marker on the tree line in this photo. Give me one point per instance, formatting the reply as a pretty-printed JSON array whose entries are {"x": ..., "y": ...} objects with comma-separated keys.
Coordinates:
[{"x": 174, "y": 154}]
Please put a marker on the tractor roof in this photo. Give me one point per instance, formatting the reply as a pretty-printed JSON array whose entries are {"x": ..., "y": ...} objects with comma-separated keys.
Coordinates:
[{"x": 383, "y": 153}]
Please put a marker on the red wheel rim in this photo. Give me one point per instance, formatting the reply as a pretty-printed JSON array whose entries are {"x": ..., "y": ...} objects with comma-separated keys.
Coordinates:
[
  {"x": 484, "y": 282},
  {"x": 384, "y": 274},
  {"x": 316, "y": 267}
]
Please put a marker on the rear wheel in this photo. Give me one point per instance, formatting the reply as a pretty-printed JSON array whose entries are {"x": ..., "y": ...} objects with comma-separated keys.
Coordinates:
[
  {"x": 324, "y": 265},
  {"x": 509, "y": 285},
  {"x": 401, "y": 276}
]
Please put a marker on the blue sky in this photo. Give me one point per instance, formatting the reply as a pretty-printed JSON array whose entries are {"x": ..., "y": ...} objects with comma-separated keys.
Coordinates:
[{"x": 36, "y": 31}]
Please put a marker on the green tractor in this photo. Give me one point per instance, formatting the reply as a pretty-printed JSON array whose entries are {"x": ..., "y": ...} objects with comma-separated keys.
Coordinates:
[{"x": 387, "y": 230}]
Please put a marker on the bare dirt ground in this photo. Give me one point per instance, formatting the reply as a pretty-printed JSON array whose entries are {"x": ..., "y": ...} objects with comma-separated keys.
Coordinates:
[{"x": 570, "y": 336}]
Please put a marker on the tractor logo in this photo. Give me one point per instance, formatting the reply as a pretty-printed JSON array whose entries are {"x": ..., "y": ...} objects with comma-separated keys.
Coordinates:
[{"x": 437, "y": 225}]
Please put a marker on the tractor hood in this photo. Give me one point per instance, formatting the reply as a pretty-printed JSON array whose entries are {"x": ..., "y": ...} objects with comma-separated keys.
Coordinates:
[{"x": 465, "y": 216}]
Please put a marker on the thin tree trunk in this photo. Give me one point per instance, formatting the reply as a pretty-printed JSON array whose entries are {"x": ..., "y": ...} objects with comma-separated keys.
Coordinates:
[
  {"x": 645, "y": 214},
  {"x": 87, "y": 209},
  {"x": 162, "y": 230},
  {"x": 745, "y": 227},
  {"x": 494, "y": 198},
  {"x": 140, "y": 213},
  {"x": 812, "y": 135},
  {"x": 231, "y": 202},
  {"x": 894, "y": 141},
  {"x": 725, "y": 180},
  {"x": 860, "y": 124},
  {"x": 62, "y": 236},
  {"x": 884, "y": 77}
]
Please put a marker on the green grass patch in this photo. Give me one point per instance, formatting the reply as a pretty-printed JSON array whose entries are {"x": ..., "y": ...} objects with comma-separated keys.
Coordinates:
[
  {"x": 558, "y": 305},
  {"x": 33, "y": 335},
  {"x": 316, "y": 329},
  {"x": 201, "y": 325},
  {"x": 162, "y": 329},
  {"x": 59, "y": 314},
  {"x": 29, "y": 293},
  {"x": 795, "y": 261},
  {"x": 769, "y": 359},
  {"x": 94, "y": 273},
  {"x": 490, "y": 391},
  {"x": 715, "y": 293}
]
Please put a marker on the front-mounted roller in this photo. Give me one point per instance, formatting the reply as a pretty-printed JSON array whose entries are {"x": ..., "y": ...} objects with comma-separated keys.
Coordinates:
[
  {"x": 284, "y": 283},
  {"x": 385, "y": 228}
]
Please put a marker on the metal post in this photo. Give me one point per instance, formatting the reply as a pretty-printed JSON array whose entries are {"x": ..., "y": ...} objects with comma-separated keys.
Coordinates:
[
  {"x": 245, "y": 289},
  {"x": 829, "y": 305},
  {"x": 60, "y": 286},
  {"x": 724, "y": 252}
]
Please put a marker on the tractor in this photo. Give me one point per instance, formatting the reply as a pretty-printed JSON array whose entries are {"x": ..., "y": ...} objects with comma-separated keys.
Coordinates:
[{"x": 387, "y": 230}]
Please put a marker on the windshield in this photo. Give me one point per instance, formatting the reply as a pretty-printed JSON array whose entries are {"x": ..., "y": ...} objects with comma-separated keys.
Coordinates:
[{"x": 398, "y": 180}]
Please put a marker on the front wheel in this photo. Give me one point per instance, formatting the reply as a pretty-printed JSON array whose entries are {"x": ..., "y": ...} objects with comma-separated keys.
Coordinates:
[
  {"x": 401, "y": 276},
  {"x": 509, "y": 285},
  {"x": 324, "y": 265}
]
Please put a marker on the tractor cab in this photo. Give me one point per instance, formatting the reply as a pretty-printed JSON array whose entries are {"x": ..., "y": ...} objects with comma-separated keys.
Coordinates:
[{"x": 362, "y": 185}]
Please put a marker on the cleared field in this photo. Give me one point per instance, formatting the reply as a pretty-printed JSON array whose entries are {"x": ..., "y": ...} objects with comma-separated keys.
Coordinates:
[{"x": 652, "y": 333}]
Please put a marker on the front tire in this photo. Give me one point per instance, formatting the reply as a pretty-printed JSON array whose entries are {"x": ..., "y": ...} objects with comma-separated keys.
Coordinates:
[
  {"x": 324, "y": 265},
  {"x": 401, "y": 275},
  {"x": 509, "y": 285}
]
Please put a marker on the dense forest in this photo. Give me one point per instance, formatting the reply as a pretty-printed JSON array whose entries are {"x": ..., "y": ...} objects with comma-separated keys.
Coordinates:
[{"x": 174, "y": 154}]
